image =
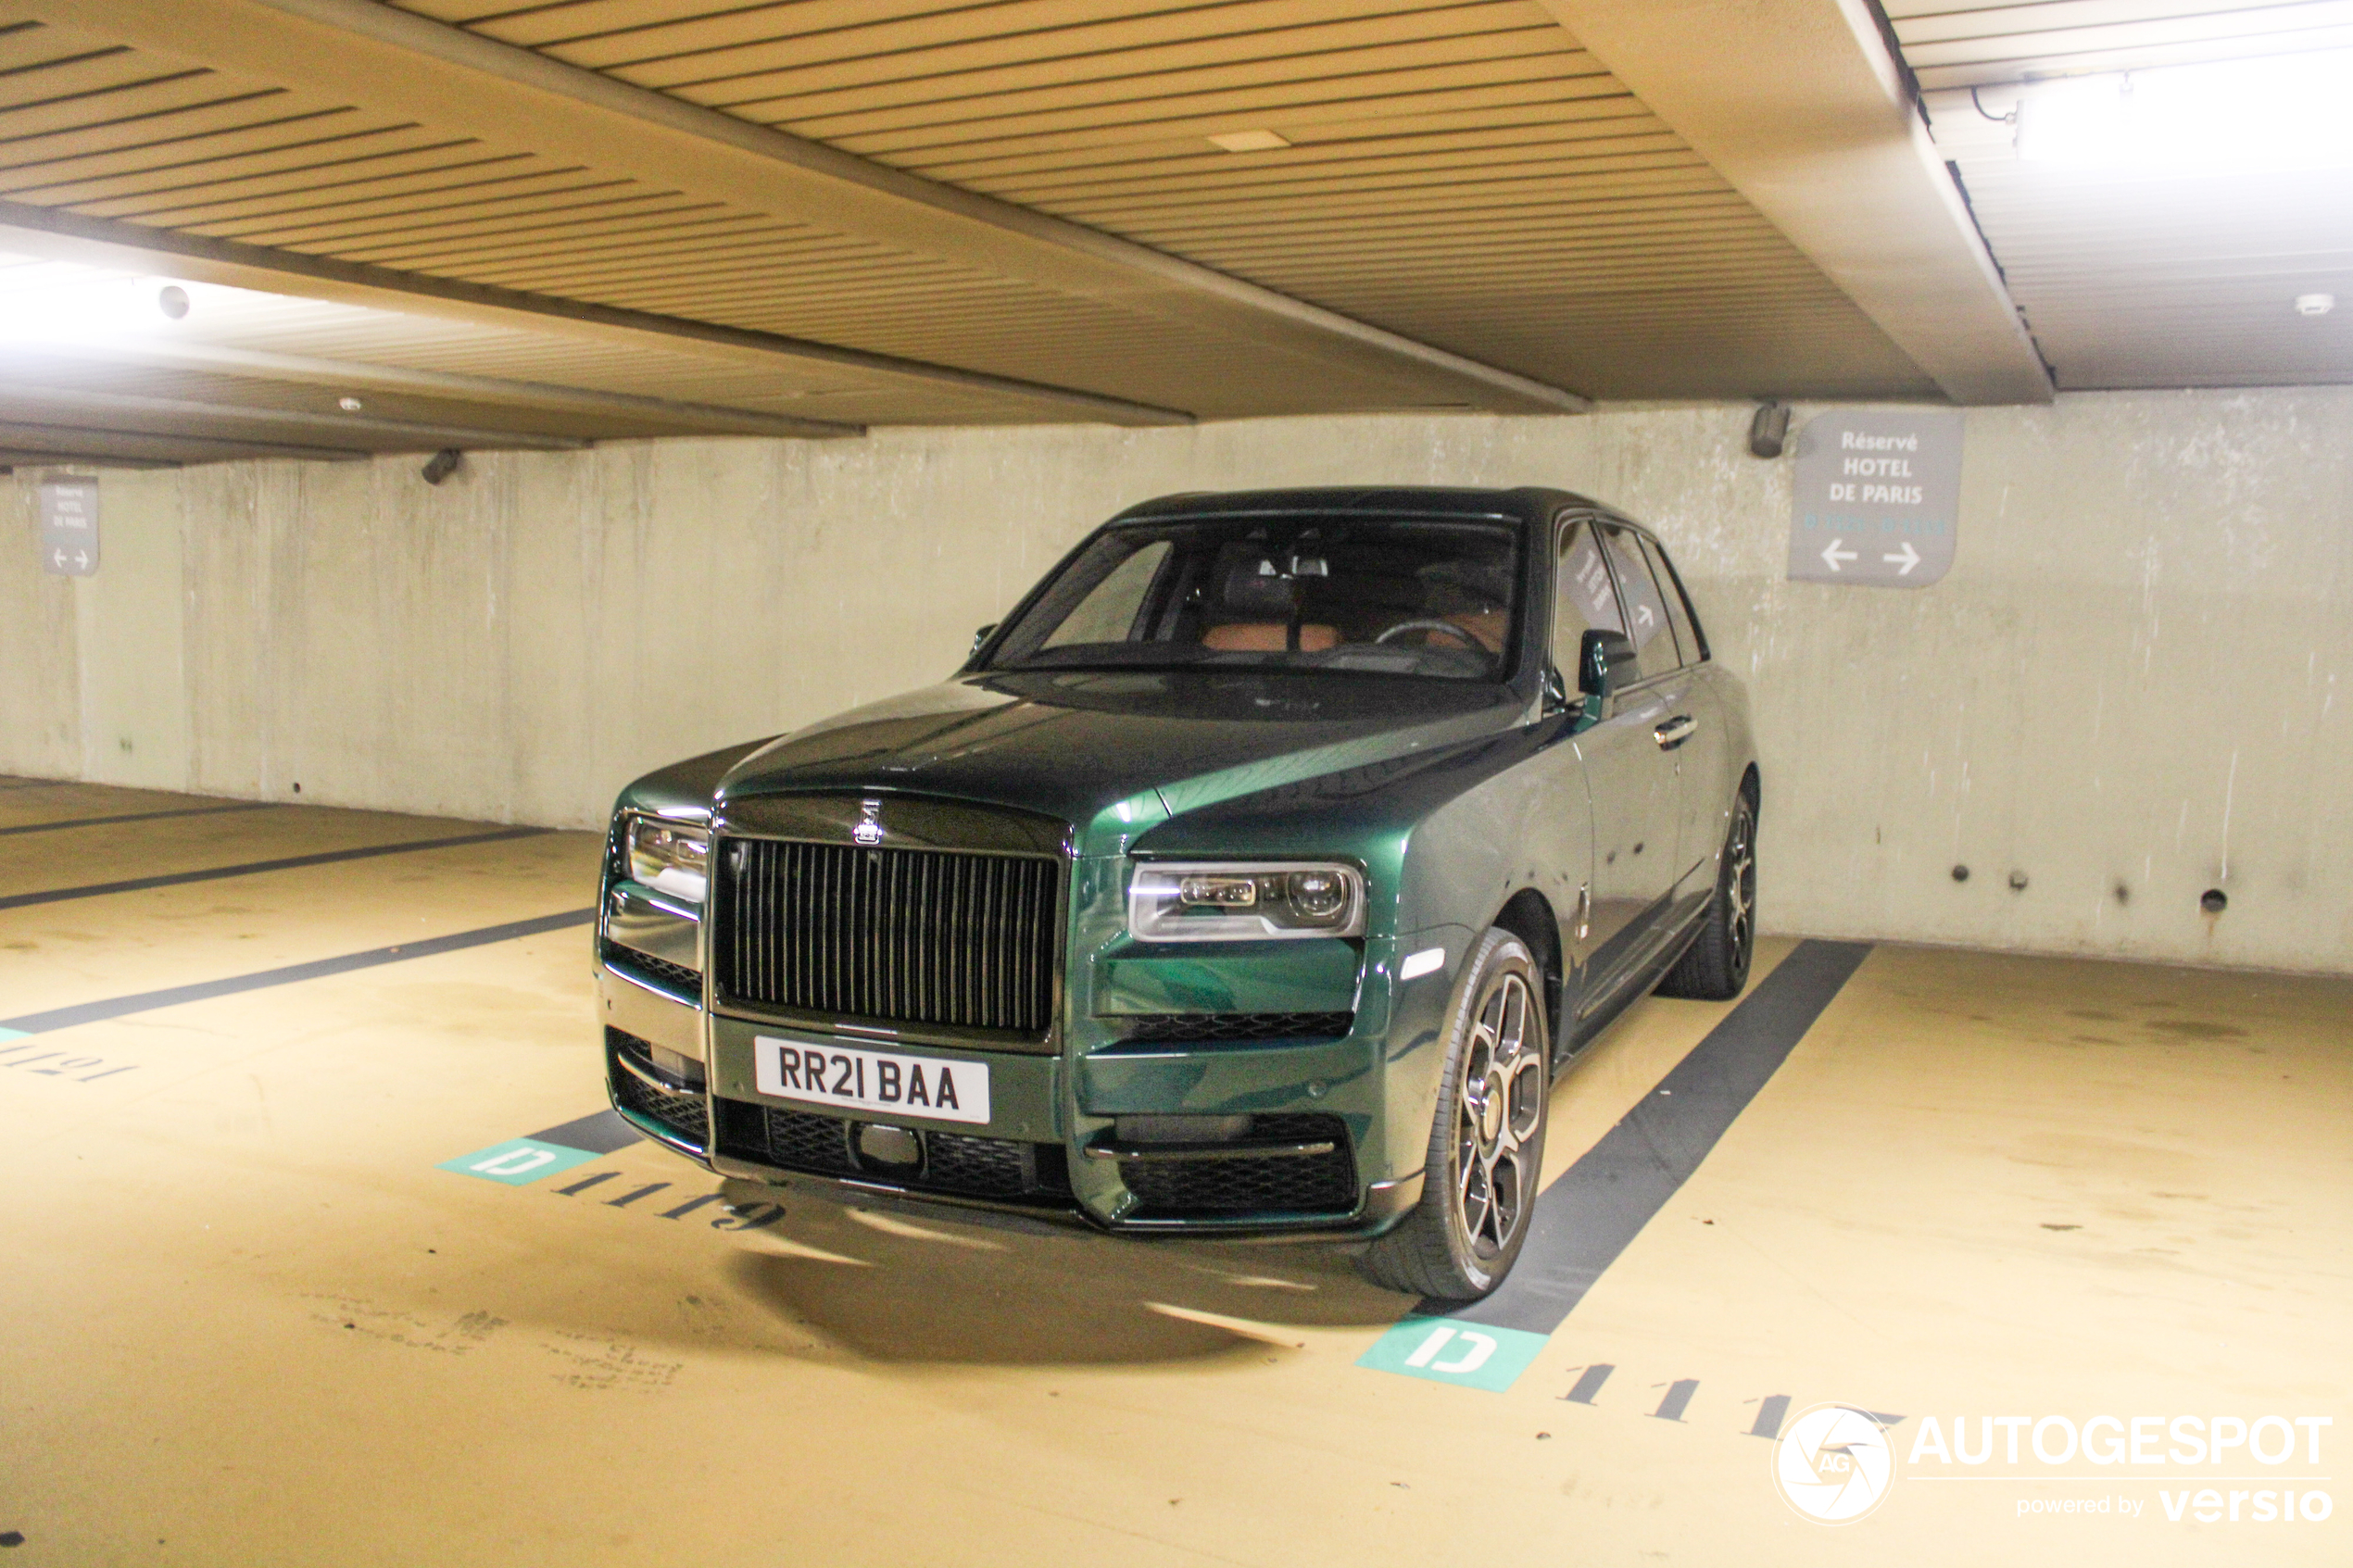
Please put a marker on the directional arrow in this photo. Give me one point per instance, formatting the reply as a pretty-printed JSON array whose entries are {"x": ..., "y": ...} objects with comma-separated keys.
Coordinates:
[
  {"x": 1910, "y": 559},
  {"x": 1832, "y": 555},
  {"x": 1643, "y": 617},
  {"x": 60, "y": 559}
]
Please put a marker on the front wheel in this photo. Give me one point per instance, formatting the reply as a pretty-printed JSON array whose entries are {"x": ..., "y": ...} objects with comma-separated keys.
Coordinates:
[
  {"x": 1487, "y": 1143},
  {"x": 1714, "y": 967}
]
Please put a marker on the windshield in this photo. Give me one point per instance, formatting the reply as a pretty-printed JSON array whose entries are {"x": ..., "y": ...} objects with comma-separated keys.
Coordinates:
[{"x": 1379, "y": 597}]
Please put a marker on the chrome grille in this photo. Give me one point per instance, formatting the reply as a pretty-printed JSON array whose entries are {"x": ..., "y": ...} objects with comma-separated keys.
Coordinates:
[{"x": 930, "y": 936}]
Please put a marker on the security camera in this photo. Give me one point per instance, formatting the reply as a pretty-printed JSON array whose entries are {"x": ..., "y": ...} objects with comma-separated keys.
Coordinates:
[
  {"x": 441, "y": 465},
  {"x": 1769, "y": 430}
]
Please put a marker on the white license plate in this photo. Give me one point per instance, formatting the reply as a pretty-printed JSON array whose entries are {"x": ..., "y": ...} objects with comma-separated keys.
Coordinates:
[{"x": 882, "y": 1082}]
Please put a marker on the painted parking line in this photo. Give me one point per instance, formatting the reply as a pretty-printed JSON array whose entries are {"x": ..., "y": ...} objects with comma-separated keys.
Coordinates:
[
  {"x": 1594, "y": 1210},
  {"x": 141, "y": 817},
  {"x": 255, "y": 868},
  {"x": 145, "y": 1001}
]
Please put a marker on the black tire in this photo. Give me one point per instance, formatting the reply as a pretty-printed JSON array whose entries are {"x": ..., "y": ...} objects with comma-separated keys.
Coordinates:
[
  {"x": 1485, "y": 1157},
  {"x": 1714, "y": 967}
]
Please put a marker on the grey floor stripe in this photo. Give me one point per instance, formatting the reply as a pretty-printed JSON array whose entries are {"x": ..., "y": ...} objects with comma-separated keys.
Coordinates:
[
  {"x": 254, "y": 868},
  {"x": 1596, "y": 1207},
  {"x": 601, "y": 1133},
  {"x": 145, "y": 1001},
  {"x": 140, "y": 817}
]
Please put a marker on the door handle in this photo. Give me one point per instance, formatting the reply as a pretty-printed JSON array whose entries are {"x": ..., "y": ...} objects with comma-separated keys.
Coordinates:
[{"x": 1675, "y": 732}]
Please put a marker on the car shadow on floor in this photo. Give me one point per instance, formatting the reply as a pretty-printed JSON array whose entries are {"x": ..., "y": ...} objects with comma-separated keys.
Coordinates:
[{"x": 891, "y": 1284}]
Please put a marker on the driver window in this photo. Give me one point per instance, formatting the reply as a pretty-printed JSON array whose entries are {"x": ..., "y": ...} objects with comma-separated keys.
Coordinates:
[{"x": 1585, "y": 599}]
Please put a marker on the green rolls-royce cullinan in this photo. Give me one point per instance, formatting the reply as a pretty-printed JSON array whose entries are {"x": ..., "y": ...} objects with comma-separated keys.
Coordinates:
[{"x": 1254, "y": 875}]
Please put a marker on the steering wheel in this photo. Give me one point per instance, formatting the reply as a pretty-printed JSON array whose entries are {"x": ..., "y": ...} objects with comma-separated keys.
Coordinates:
[{"x": 1466, "y": 638}]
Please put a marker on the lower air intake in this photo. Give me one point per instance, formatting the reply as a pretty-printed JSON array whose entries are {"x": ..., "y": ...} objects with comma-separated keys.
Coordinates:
[
  {"x": 1319, "y": 1183},
  {"x": 952, "y": 1163}
]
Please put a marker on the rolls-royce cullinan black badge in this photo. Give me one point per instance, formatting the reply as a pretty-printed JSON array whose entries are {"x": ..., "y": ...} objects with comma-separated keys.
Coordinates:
[{"x": 1255, "y": 874}]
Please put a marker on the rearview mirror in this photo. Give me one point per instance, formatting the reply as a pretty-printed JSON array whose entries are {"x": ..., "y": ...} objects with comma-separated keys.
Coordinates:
[
  {"x": 979, "y": 637},
  {"x": 1604, "y": 662}
]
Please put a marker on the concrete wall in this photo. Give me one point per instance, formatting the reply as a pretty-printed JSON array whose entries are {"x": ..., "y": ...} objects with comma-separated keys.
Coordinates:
[{"x": 2124, "y": 693}]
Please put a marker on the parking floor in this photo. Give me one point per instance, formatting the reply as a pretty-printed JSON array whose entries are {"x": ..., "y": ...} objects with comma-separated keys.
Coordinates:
[{"x": 263, "y": 1307}]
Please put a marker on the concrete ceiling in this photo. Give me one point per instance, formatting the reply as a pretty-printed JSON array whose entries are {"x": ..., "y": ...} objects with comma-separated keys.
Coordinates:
[{"x": 815, "y": 216}]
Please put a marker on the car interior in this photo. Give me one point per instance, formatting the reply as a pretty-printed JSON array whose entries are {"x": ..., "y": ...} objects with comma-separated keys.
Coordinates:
[{"x": 1385, "y": 598}]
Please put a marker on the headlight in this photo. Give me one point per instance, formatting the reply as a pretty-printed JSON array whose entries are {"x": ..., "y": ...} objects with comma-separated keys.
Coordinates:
[
  {"x": 1244, "y": 902},
  {"x": 667, "y": 857}
]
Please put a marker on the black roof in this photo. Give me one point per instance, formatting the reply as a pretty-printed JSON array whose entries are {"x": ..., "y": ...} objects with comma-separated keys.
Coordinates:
[{"x": 1528, "y": 504}]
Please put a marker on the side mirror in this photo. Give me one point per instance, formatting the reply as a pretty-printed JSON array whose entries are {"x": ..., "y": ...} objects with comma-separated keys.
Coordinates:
[
  {"x": 1604, "y": 662},
  {"x": 979, "y": 637}
]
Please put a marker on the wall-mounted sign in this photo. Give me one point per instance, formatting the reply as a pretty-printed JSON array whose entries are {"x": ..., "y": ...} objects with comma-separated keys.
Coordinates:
[
  {"x": 1877, "y": 496},
  {"x": 69, "y": 528}
]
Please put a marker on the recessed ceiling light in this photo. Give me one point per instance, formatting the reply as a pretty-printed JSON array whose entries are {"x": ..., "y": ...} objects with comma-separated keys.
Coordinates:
[
  {"x": 349, "y": 404},
  {"x": 1249, "y": 140},
  {"x": 2279, "y": 113},
  {"x": 2315, "y": 304}
]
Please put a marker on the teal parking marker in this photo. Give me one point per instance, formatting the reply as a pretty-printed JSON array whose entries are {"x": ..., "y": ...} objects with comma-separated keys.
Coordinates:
[
  {"x": 1472, "y": 1355},
  {"x": 518, "y": 1161}
]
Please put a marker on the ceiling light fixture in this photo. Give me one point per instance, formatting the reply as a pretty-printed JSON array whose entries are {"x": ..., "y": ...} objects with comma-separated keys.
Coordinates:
[
  {"x": 2315, "y": 304},
  {"x": 349, "y": 404},
  {"x": 1249, "y": 140},
  {"x": 2226, "y": 117},
  {"x": 56, "y": 305}
]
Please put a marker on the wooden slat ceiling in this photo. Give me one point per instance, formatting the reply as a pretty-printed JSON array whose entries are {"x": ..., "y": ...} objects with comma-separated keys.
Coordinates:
[
  {"x": 2144, "y": 278},
  {"x": 128, "y": 350},
  {"x": 1463, "y": 174}
]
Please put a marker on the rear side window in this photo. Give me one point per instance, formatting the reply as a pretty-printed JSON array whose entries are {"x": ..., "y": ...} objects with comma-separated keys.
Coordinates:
[
  {"x": 1644, "y": 605},
  {"x": 1678, "y": 609}
]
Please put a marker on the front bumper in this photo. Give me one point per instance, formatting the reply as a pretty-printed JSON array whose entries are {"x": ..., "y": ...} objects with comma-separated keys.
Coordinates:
[{"x": 1314, "y": 1163}]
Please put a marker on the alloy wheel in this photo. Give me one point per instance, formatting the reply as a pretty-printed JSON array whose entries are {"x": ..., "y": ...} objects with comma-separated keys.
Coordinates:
[
  {"x": 1499, "y": 1106},
  {"x": 1740, "y": 889}
]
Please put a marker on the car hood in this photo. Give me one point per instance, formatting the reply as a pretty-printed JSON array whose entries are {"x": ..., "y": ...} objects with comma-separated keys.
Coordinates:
[{"x": 1116, "y": 753}]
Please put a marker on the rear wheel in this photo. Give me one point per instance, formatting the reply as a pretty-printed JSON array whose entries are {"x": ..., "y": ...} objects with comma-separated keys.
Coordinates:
[
  {"x": 1714, "y": 967},
  {"x": 1486, "y": 1145}
]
